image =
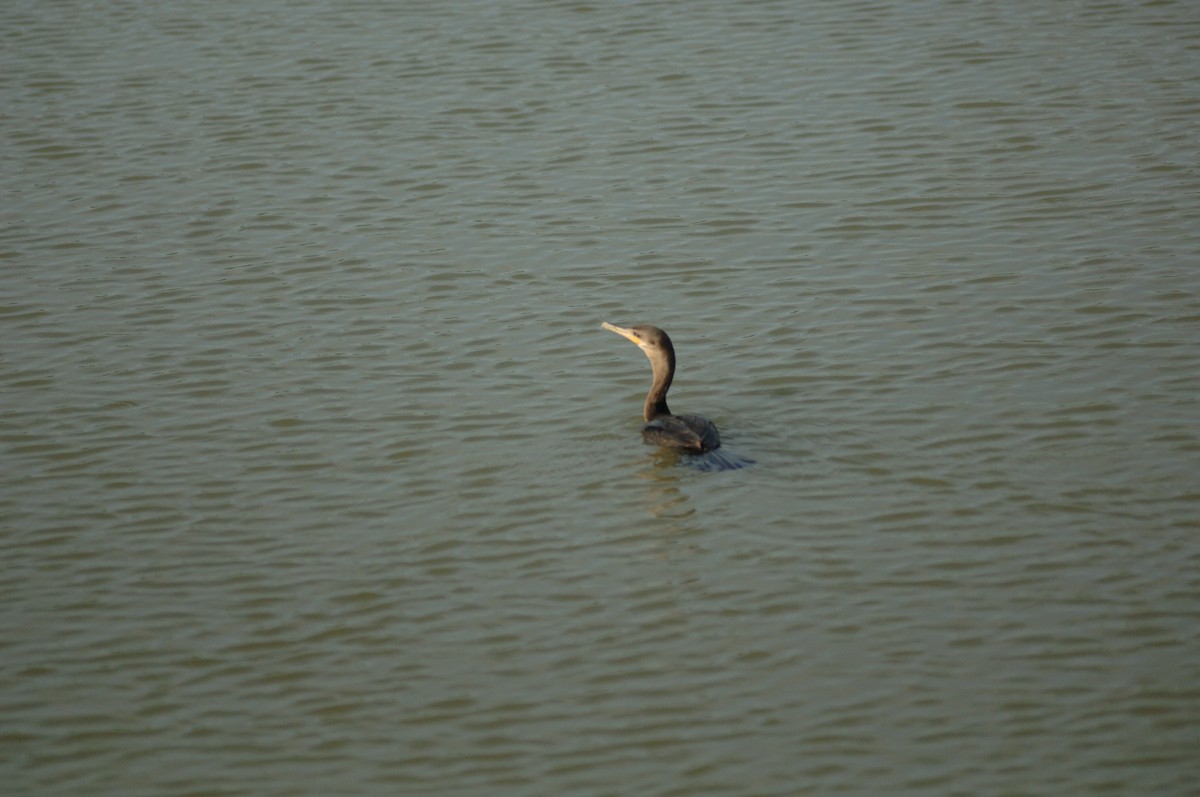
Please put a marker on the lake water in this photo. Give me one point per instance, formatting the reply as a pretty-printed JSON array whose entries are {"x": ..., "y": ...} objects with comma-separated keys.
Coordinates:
[{"x": 318, "y": 475}]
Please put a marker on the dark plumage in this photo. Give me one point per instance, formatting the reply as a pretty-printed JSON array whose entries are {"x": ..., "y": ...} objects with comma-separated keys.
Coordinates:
[{"x": 691, "y": 433}]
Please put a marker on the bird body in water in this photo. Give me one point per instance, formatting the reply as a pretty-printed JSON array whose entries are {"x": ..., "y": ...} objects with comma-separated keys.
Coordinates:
[{"x": 689, "y": 433}]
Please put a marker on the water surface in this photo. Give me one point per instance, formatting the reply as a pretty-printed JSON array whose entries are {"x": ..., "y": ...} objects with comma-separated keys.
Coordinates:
[{"x": 319, "y": 475}]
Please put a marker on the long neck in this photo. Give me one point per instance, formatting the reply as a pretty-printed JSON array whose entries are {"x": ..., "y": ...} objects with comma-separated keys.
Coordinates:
[{"x": 663, "y": 362}]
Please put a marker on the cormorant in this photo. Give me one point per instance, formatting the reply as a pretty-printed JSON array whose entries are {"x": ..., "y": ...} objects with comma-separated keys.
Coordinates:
[{"x": 690, "y": 433}]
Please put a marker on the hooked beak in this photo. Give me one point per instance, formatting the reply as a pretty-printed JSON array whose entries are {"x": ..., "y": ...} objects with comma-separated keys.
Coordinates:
[{"x": 623, "y": 332}]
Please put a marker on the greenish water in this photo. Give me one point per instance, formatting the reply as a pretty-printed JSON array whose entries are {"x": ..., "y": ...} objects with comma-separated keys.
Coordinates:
[{"x": 318, "y": 475}]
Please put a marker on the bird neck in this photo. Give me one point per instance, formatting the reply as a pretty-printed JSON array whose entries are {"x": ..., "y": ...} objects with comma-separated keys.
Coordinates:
[{"x": 663, "y": 363}]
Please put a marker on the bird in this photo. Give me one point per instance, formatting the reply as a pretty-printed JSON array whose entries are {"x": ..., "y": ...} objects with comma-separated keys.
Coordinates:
[{"x": 692, "y": 434}]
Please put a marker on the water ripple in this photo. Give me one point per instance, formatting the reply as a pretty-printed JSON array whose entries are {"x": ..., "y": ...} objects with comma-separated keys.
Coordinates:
[{"x": 318, "y": 470}]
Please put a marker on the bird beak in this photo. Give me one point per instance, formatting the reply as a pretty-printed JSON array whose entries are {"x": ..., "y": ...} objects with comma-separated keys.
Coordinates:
[{"x": 623, "y": 332}]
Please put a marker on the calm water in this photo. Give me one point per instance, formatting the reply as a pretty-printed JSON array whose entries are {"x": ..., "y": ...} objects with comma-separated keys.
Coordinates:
[{"x": 318, "y": 475}]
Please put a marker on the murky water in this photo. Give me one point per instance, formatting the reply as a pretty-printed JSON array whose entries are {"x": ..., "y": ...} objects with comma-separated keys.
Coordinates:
[{"x": 319, "y": 475}]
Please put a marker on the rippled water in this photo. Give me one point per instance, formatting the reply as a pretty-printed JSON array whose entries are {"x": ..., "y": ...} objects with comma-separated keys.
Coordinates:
[{"x": 319, "y": 475}]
